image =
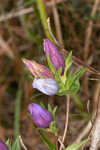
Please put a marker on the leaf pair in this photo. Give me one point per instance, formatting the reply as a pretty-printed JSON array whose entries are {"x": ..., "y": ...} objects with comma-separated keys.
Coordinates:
[{"x": 15, "y": 145}]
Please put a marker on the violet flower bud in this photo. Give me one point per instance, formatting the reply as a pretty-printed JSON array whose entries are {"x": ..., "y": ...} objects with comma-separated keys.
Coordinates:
[
  {"x": 47, "y": 86},
  {"x": 55, "y": 56},
  {"x": 40, "y": 116},
  {"x": 37, "y": 70},
  {"x": 3, "y": 146}
]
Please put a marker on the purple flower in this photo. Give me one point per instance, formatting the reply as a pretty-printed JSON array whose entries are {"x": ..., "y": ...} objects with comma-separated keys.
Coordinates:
[
  {"x": 3, "y": 146},
  {"x": 38, "y": 70},
  {"x": 47, "y": 86},
  {"x": 55, "y": 56},
  {"x": 40, "y": 116}
]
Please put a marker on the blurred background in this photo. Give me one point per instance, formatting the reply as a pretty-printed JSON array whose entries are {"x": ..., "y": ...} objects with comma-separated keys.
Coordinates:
[{"x": 76, "y": 25}]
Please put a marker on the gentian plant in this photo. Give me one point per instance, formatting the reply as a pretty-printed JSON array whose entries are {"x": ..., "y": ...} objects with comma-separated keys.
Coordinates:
[
  {"x": 59, "y": 80},
  {"x": 55, "y": 80}
]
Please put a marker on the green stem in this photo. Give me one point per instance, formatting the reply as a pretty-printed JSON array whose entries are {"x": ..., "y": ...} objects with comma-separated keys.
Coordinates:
[
  {"x": 17, "y": 111},
  {"x": 44, "y": 17}
]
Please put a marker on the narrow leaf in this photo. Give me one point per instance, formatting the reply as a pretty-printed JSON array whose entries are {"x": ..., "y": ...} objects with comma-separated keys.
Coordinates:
[
  {"x": 68, "y": 59},
  {"x": 50, "y": 65},
  {"x": 8, "y": 144},
  {"x": 76, "y": 146},
  {"x": 72, "y": 79},
  {"x": 16, "y": 144},
  {"x": 50, "y": 145}
]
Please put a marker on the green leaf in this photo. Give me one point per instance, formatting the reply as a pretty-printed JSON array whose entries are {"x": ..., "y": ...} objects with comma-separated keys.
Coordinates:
[
  {"x": 50, "y": 64},
  {"x": 50, "y": 145},
  {"x": 53, "y": 111},
  {"x": 78, "y": 102},
  {"x": 83, "y": 116},
  {"x": 75, "y": 86},
  {"x": 49, "y": 108},
  {"x": 8, "y": 144},
  {"x": 76, "y": 146},
  {"x": 68, "y": 63},
  {"x": 72, "y": 83},
  {"x": 53, "y": 128},
  {"x": 42, "y": 105},
  {"x": 58, "y": 72},
  {"x": 68, "y": 60},
  {"x": 16, "y": 144}
]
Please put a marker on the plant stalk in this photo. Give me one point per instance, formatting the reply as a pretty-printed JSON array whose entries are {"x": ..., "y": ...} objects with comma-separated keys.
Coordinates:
[
  {"x": 43, "y": 17},
  {"x": 66, "y": 123},
  {"x": 17, "y": 111}
]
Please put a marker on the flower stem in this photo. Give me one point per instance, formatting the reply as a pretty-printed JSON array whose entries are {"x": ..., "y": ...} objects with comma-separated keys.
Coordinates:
[
  {"x": 43, "y": 16},
  {"x": 66, "y": 123}
]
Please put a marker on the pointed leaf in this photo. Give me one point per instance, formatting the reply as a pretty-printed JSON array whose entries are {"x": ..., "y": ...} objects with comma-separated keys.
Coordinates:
[
  {"x": 54, "y": 110},
  {"x": 50, "y": 65},
  {"x": 8, "y": 144},
  {"x": 68, "y": 60},
  {"x": 75, "y": 86},
  {"x": 74, "y": 79},
  {"x": 50, "y": 145},
  {"x": 76, "y": 146},
  {"x": 16, "y": 144},
  {"x": 58, "y": 72},
  {"x": 49, "y": 108}
]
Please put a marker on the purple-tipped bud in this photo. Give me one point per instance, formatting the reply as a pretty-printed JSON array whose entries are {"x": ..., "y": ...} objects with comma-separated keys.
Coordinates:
[
  {"x": 37, "y": 70},
  {"x": 47, "y": 86},
  {"x": 40, "y": 116},
  {"x": 55, "y": 56},
  {"x": 3, "y": 146}
]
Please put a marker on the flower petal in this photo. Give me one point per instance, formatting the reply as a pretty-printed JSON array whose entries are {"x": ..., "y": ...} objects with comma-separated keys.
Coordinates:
[
  {"x": 3, "y": 146},
  {"x": 55, "y": 56},
  {"x": 37, "y": 70},
  {"x": 40, "y": 116},
  {"x": 47, "y": 86}
]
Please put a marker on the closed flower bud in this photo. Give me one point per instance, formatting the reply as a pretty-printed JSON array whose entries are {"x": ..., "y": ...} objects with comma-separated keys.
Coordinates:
[
  {"x": 3, "y": 146},
  {"x": 55, "y": 56},
  {"x": 47, "y": 86},
  {"x": 40, "y": 116},
  {"x": 38, "y": 70}
]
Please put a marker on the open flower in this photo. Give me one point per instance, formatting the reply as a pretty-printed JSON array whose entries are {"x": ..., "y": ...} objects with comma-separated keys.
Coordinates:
[
  {"x": 40, "y": 116},
  {"x": 47, "y": 86},
  {"x": 55, "y": 56},
  {"x": 3, "y": 146}
]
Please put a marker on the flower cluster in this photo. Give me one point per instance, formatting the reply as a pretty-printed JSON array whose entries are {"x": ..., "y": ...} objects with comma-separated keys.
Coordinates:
[
  {"x": 44, "y": 79},
  {"x": 45, "y": 82},
  {"x": 56, "y": 80}
]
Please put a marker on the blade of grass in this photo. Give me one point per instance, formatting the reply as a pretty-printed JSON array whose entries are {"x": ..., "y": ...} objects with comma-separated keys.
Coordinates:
[{"x": 17, "y": 111}]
